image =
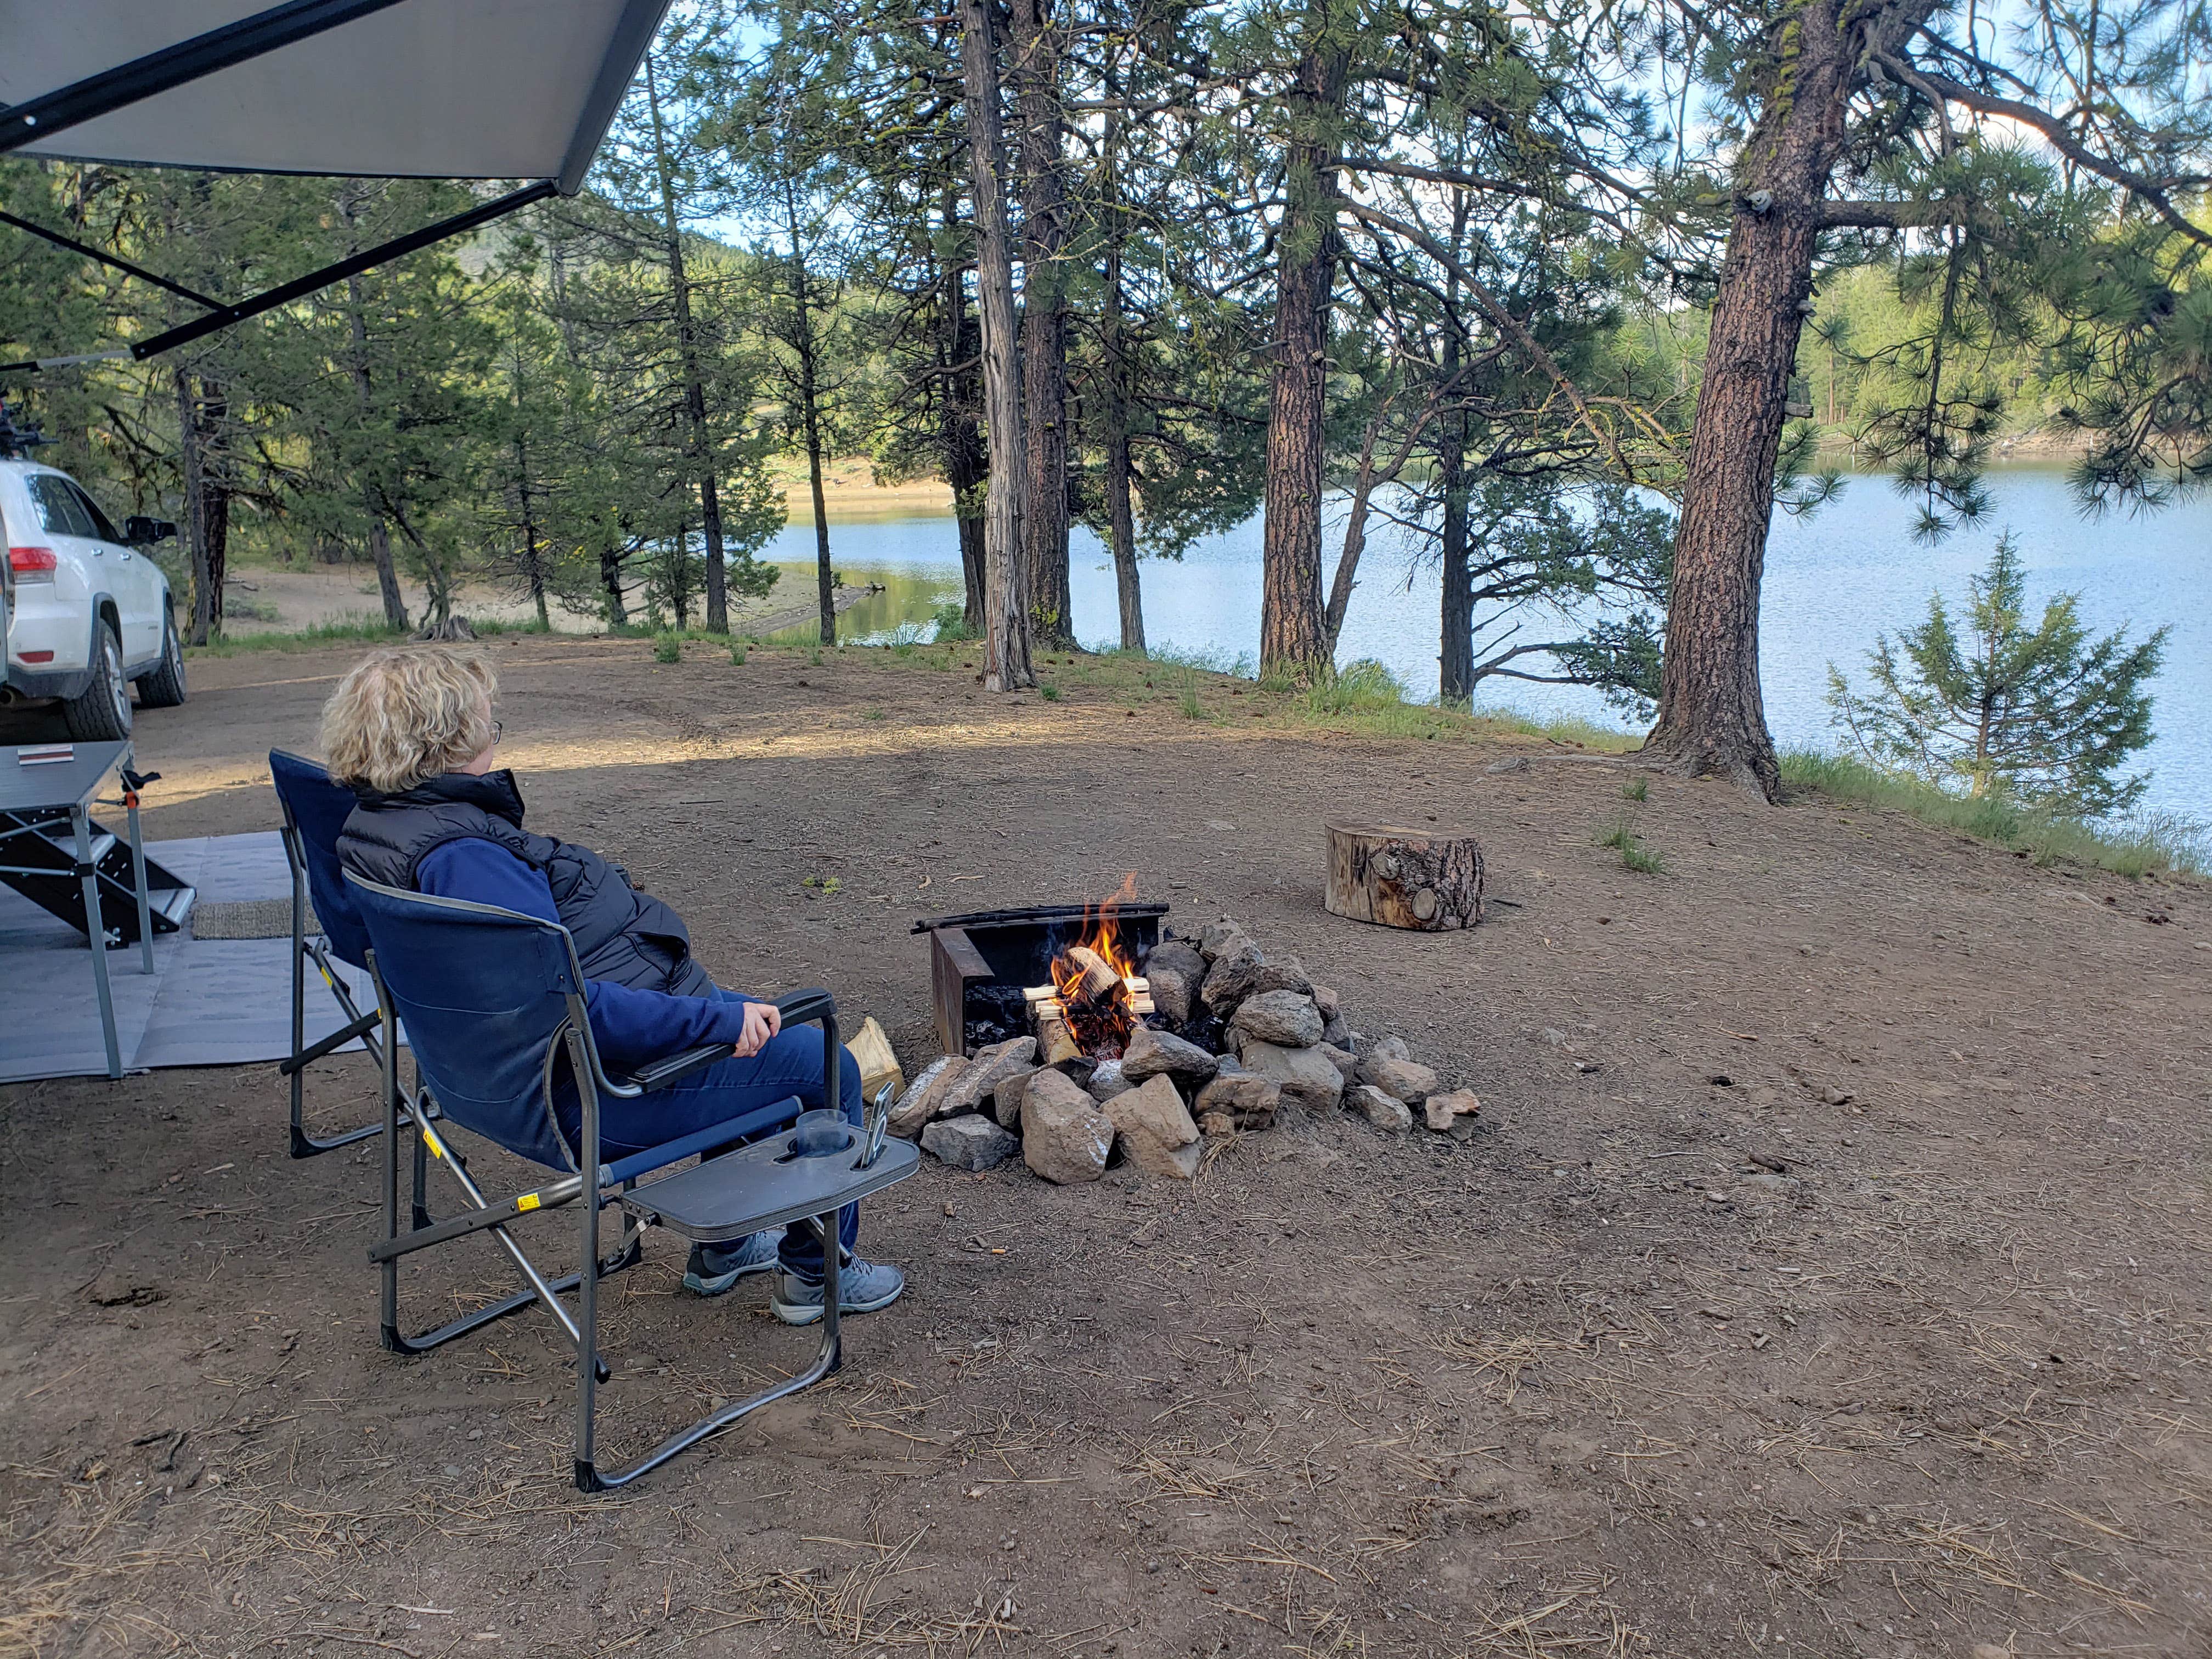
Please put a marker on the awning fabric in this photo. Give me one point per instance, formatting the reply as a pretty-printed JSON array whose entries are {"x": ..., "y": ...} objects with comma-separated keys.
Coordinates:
[{"x": 418, "y": 88}]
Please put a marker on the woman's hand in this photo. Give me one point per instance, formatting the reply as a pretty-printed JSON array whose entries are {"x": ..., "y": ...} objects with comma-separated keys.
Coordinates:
[{"x": 762, "y": 1021}]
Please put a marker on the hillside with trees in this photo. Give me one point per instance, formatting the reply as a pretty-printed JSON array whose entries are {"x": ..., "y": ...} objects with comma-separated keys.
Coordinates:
[{"x": 1493, "y": 279}]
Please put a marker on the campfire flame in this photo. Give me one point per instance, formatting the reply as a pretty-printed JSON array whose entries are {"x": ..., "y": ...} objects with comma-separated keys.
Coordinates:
[{"x": 1092, "y": 977}]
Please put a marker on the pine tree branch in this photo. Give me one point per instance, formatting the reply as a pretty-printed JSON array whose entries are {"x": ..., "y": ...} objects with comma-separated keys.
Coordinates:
[
  {"x": 1499, "y": 314},
  {"x": 2156, "y": 191}
]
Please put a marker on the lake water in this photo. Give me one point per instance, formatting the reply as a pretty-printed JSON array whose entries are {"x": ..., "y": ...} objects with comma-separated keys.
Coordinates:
[{"x": 1834, "y": 581}]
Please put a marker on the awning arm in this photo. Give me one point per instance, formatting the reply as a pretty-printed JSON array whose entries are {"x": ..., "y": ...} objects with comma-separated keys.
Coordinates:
[
  {"x": 223, "y": 316},
  {"x": 111, "y": 261},
  {"x": 173, "y": 66}
]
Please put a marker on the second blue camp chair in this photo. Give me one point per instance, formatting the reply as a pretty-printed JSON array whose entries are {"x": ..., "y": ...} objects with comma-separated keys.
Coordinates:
[
  {"x": 315, "y": 809},
  {"x": 494, "y": 1005}
]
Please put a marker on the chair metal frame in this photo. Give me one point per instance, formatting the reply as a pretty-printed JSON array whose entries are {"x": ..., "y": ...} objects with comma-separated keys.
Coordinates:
[
  {"x": 613, "y": 1183},
  {"x": 315, "y": 951}
]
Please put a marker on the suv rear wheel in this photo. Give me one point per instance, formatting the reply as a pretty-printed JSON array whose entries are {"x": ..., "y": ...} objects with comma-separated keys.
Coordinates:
[
  {"x": 165, "y": 687},
  {"x": 102, "y": 713}
]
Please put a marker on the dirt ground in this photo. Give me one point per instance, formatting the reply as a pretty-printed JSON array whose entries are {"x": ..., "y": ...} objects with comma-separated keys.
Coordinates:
[{"x": 1830, "y": 1275}]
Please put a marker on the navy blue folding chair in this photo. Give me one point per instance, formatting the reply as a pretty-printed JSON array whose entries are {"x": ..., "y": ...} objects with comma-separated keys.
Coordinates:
[
  {"x": 315, "y": 809},
  {"x": 493, "y": 1003}
]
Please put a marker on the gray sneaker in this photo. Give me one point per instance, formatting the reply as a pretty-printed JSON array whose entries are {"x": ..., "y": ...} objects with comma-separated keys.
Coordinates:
[
  {"x": 714, "y": 1268},
  {"x": 863, "y": 1287}
]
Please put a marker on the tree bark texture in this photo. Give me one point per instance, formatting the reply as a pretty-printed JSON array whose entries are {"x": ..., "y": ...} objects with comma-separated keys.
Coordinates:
[
  {"x": 379, "y": 532},
  {"x": 1293, "y": 631},
  {"x": 1006, "y": 664},
  {"x": 1120, "y": 519},
  {"x": 960, "y": 444},
  {"x": 810, "y": 410},
  {"x": 1456, "y": 658},
  {"x": 1034, "y": 47},
  {"x": 1711, "y": 720},
  {"x": 207, "y": 501},
  {"x": 695, "y": 386},
  {"x": 1417, "y": 879}
]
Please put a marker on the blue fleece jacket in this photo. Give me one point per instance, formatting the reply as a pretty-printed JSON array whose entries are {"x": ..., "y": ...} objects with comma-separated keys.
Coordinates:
[{"x": 632, "y": 1027}]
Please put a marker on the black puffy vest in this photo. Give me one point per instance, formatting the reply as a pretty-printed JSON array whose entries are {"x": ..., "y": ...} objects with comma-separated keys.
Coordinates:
[{"x": 621, "y": 933}]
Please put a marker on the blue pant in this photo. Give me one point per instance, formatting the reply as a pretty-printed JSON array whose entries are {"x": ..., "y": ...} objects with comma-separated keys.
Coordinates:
[{"x": 790, "y": 1064}]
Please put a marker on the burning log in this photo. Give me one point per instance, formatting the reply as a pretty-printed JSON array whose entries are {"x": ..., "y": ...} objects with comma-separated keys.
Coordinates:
[{"x": 1092, "y": 978}]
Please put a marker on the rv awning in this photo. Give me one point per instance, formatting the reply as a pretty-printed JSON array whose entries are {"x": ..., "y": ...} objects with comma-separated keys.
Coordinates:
[
  {"x": 385, "y": 88},
  {"x": 356, "y": 88}
]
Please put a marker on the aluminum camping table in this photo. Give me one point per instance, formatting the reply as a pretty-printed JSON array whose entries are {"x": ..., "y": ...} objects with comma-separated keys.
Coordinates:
[{"x": 68, "y": 787}]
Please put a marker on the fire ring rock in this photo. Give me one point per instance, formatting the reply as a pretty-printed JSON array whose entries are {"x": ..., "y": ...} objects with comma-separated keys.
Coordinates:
[
  {"x": 1283, "y": 1016},
  {"x": 1244, "y": 1101},
  {"x": 1154, "y": 1054},
  {"x": 926, "y": 1095},
  {"x": 1305, "y": 1075},
  {"x": 1064, "y": 1137},
  {"x": 1452, "y": 1114},
  {"x": 1007, "y": 1097},
  {"x": 1385, "y": 1112},
  {"x": 1406, "y": 1079},
  {"x": 991, "y": 1066},
  {"x": 969, "y": 1142},
  {"x": 1233, "y": 977},
  {"x": 1157, "y": 1133}
]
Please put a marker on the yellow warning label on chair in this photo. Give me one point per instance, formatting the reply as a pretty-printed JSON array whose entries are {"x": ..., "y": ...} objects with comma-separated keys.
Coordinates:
[
  {"x": 527, "y": 1201},
  {"x": 430, "y": 1139}
]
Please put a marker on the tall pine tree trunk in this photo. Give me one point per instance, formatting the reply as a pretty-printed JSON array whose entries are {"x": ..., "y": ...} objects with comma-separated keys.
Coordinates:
[
  {"x": 1293, "y": 630},
  {"x": 1456, "y": 659},
  {"x": 207, "y": 501},
  {"x": 1711, "y": 719},
  {"x": 695, "y": 386},
  {"x": 810, "y": 412},
  {"x": 1121, "y": 520},
  {"x": 371, "y": 500},
  {"x": 1122, "y": 530},
  {"x": 1036, "y": 76},
  {"x": 610, "y": 579},
  {"x": 533, "y": 563},
  {"x": 960, "y": 445},
  {"x": 1006, "y": 664}
]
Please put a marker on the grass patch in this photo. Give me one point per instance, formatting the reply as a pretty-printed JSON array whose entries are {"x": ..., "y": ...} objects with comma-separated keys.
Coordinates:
[
  {"x": 951, "y": 621},
  {"x": 737, "y": 654},
  {"x": 667, "y": 648},
  {"x": 1049, "y": 691},
  {"x": 1188, "y": 701},
  {"x": 1638, "y": 789},
  {"x": 1634, "y": 854},
  {"x": 2148, "y": 844},
  {"x": 350, "y": 631}
]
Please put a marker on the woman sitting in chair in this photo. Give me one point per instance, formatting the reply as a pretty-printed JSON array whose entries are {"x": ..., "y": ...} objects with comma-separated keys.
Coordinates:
[{"x": 411, "y": 731}]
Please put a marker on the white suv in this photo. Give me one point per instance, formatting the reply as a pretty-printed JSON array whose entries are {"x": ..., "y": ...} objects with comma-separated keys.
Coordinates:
[{"x": 87, "y": 610}]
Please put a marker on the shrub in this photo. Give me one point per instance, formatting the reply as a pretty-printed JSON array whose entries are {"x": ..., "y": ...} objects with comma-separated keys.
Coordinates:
[
  {"x": 951, "y": 621},
  {"x": 2043, "y": 715},
  {"x": 667, "y": 648}
]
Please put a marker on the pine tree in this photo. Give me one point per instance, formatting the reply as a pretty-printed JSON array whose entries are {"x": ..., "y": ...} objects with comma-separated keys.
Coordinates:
[{"x": 2039, "y": 713}]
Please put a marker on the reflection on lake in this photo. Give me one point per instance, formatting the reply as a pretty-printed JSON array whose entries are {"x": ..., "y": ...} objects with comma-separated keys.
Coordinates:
[{"x": 1834, "y": 581}]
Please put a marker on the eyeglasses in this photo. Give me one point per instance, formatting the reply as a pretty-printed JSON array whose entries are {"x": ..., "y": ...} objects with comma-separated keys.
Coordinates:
[{"x": 496, "y": 729}]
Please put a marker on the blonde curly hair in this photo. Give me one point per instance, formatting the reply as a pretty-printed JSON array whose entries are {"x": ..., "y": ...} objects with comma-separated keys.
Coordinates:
[{"x": 408, "y": 713}]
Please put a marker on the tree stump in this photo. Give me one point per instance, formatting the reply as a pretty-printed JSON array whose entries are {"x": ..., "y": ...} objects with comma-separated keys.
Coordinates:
[{"x": 1412, "y": 879}]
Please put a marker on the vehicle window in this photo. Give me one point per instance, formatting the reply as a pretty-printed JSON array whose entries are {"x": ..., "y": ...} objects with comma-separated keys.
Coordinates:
[
  {"x": 101, "y": 526},
  {"x": 59, "y": 509}
]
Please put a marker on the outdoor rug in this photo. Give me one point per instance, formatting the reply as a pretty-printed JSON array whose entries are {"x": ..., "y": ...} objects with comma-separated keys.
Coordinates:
[{"x": 224, "y": 1001}]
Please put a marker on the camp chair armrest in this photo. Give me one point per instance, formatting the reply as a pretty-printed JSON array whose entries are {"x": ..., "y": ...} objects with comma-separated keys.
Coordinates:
[
  {"x": 666, "y": 1070},
  {"x": 798, "y": 1007}
]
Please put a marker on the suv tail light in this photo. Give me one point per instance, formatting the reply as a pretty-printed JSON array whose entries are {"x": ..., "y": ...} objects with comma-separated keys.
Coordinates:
[{"x": 31, "y": 564}]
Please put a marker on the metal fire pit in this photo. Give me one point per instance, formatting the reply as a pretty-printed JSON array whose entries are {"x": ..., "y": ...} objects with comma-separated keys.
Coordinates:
[{"x": 980, "y": 963}]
